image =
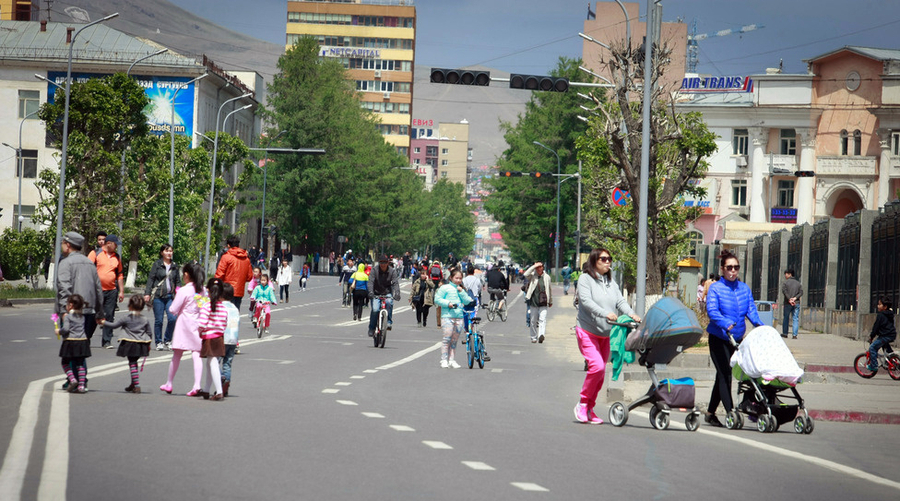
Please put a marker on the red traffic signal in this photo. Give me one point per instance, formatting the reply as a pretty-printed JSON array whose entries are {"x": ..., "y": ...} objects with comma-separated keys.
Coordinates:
[
  {"x": 537, "y": 82},
  {"x": 460, "y": 77},
  {"x": 805, "y": 173}
]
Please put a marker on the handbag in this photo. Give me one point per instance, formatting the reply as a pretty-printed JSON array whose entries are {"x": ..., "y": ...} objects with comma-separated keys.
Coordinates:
[
  {"x": 542, "y": 299},
  {"x": 155, "y": 287}
]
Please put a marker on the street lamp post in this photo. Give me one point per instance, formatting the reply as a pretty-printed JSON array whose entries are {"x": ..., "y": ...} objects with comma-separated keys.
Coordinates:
[
  {"x": 212, "y": 181},
  {"x": 65, "y": 143},
  {"x": 122, "y": 168},
  {"x": 556, "y": 238},
  {"x": 20, "y": 164},
  {"x": 262, "y": 221},
  {"x": 172, "y": 161}
]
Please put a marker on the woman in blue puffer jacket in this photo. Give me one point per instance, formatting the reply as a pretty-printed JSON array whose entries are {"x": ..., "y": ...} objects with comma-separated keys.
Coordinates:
[{"x": 729, "y": 304}]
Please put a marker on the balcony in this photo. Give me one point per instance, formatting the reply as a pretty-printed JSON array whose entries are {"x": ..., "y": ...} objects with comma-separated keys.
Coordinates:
[
  {"x": 848, "y": 166},
  {"x": 788, "y": 162}
]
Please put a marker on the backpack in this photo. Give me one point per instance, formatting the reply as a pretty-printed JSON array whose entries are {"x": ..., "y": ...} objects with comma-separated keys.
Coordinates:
[{"x": 436, "y": 272}]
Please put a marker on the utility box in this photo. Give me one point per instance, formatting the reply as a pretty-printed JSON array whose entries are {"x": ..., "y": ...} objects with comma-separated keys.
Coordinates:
[{"x": 766, "y": 310}]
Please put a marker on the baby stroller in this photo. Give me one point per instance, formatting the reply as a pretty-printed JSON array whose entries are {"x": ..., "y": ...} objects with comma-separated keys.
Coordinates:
[
  {"x": 667, "y": 329},
  {"x": 766, "y": 372}
]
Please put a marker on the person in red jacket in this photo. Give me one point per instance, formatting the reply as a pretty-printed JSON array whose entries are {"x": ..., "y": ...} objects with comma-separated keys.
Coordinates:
[{"x": 235, "y": 269}]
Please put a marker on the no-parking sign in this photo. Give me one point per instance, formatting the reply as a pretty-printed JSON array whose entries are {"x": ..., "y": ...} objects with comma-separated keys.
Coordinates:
[{"x": 620, "y": 197}]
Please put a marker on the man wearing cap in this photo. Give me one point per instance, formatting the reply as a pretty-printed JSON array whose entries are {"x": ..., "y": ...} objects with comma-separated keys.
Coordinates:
[
  {"x": 383, "y": 281},
  {"x": 112, "y": 281},
  {"x": 76, "y": 274},
  {"x": 539, "y": 297}
]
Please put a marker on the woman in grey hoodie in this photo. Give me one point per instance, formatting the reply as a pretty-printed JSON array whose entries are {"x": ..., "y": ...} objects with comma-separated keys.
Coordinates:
[{"x": 600, "y": 302}]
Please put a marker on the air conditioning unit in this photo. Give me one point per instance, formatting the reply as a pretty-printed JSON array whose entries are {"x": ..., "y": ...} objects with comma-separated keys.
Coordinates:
[
  {"x": 377, "y": 73},
  {"x": 741, "y": 161},
  {"x": 387, "y": 95}
]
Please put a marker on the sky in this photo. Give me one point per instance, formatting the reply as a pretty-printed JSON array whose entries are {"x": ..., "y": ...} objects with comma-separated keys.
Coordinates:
[{"x": 529, "y": 36}]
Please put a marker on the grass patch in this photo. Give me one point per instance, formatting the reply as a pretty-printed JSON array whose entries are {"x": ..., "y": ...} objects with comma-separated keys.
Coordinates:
[{"x": 23, "y": 291}]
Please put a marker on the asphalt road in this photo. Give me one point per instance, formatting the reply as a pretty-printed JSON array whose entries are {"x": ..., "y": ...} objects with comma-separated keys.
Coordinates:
[{"x": 315, "y": 412}]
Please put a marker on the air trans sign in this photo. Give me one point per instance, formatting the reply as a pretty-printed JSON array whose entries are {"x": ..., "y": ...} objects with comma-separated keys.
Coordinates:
[{"x": 717, "y": 84}]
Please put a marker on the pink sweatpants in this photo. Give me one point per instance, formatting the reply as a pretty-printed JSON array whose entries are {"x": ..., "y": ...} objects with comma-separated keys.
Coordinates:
[{"x": 596, "y": 351}]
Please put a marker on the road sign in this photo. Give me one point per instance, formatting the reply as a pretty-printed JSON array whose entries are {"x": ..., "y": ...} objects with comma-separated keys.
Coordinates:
[{"x": 620, "y": 197}]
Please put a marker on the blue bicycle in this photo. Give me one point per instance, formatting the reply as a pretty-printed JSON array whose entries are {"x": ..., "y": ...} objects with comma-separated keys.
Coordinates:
[{"x": 475, "y": 341}]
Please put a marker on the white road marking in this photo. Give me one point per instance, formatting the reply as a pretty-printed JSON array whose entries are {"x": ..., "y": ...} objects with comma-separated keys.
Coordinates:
[
  {"x": 357, "y": 377},
  {"x": 43, "y": 338},
  {"x": 370, "y": 371},
  {"x": 55, "y": 473},
  {"x": 497, "y": 370},
  {"x": 401, "y": 427},
  {"x": 17, "y": 340},
  {"x": 12, "y": 474},
  {"x": 373, "y": 415},
  {"x": 279, "y": 362},
  {"x": 528, "y": 486},
  {"x": 478, "y": 465},
  {"x": 436, "y": 445},
  {"x": 342, "y": 383},
  {"x": 410, "y": 358},
  {"x": 824, "y": 463},
  {"x": 516, "y": 352},
  {"x": 331, "y": 390},
  {"x": 346, "y": 402}
]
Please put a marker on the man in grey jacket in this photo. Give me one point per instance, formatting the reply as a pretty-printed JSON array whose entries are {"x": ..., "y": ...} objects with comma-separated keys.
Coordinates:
[
  {"x": 77, "y": 275},
  {"x": 792, "y": 291},
  {"x": 538, "y": 295}
]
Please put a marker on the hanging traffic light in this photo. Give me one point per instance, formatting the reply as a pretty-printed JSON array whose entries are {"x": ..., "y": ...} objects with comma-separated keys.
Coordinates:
[
  {"x": 516, "y": 173},
  {"x": 460, "y": 77},
  {"x": 805, "y": 173},
  {"x": 536, "y": 82}
]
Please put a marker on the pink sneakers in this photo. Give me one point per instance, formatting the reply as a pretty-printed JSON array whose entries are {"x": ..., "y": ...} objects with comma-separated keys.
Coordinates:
[
  {"x": 166, "y": 388},
  {"x": 581, "y": 413},
  {"x": 592, "y": 418}
]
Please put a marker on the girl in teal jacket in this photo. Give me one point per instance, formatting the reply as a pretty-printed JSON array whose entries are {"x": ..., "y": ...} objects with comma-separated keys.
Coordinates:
[{"x": 451, "y": 298}]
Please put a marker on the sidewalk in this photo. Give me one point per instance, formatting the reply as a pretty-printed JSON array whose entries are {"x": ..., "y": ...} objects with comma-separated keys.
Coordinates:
[{"x": 832, "y": 391}]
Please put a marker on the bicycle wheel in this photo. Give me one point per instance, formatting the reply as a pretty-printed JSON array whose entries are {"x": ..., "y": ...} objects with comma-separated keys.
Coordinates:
[
  {"x": 470, "y": 349},
  {"x": 381, "y": 331},
  {"x": 503, "y": 311},
  {"x": 260, "y": 322},
  {"x": 860, "y": 364},
  {"x": 479, "y": 351},
  {"x": 491, "y": 313},
  {"x": 893, "y": 361}
]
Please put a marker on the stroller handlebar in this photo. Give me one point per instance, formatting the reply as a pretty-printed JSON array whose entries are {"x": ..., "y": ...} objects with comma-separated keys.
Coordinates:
[{"x": 632, "y": 324}]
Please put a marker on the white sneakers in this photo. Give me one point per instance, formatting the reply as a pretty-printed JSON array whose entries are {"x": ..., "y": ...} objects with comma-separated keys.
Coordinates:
[
  {"x": 449, "y": 364},
  {"x": 444, "y": 364},
  {"x": 454, "y": 365}
]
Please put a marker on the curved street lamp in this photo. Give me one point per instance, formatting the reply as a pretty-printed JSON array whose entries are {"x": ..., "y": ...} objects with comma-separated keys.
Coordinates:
[
  {"x": 172, "y": 161},
  {"x": 262, "y": 221}
]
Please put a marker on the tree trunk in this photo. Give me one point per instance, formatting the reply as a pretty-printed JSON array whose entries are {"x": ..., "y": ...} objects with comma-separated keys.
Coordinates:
[{"x": 133, "y": 262}]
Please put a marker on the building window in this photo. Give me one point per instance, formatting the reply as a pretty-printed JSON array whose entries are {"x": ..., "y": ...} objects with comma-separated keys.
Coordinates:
[
  {"x": 739, "y": 192},
  {"x": 444, "y": 151},
  {"x": 443, "y": 162},
  {"x": 695, "y": 238},
  {"x": 444, "y": 174},
  {"x": 895, "y": 143},
  {"x": 740, "y": 142},
  {"x": 29, "y": 102},
  {"x": 27, "y": 215},
  {"x": 417, "y": 160},
  {"x": 857, "y": 142},
  {"x": 844, "y": 142},
  {"x": 788, "y": 142},
  {"x": 418, "y": 150},
  {"x": 29, "y": 164},
  {"x": 431, "y": 151},
  {"x": 785, "y": 193}
]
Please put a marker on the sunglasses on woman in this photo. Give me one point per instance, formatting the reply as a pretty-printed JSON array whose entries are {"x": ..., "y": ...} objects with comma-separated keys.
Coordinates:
[
  {"x": 733, "y": 267},
  {"x": 605, "y": 259}
]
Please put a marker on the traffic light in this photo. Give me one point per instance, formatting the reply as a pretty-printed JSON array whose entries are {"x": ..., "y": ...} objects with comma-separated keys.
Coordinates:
[
  {"x": 805, "y": 173},
  {"x": 512, "y": 173},
  {"x": 516, "y": 173},
  {"x": 460, "y": 77},
  {"x": 536, "y": 82}
]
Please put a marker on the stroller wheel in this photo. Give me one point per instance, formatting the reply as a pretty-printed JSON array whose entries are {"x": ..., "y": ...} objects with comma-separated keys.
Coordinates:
[
  {"x": 765, "y": 424},
  {"x": 799, "y": 424},
  {"x": 658, "y": 418},
  {"x": 809, "y": 426},
  {"x": 732, "y": 420},
  {"x": 692, "y": 421},
  {"x": 618, "y": 414}
]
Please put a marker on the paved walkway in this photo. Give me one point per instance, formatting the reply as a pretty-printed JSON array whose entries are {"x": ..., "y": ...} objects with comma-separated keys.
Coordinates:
[{"x": 832, "y": 390}]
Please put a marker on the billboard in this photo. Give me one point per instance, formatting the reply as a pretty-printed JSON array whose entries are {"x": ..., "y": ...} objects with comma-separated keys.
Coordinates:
[{"x": 160, "y": 91}]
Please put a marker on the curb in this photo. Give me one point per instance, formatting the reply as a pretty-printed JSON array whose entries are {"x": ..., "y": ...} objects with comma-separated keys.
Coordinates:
[
  {"x": 26, "y": 301},
  {"x": 854, "y": 417},
  {"x": 838, "y": 369}
]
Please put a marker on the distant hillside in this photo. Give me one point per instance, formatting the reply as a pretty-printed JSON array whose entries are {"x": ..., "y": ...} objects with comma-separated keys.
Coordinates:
[{"x": 186, "y": 33}]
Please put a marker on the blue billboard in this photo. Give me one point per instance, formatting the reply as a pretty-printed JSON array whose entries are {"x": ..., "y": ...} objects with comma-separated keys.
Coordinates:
[{"x": 160, "y": 91}]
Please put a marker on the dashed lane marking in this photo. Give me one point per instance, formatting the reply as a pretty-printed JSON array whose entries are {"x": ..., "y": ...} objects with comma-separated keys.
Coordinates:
[
  {"x": 401, "y": 427},
  {"x": 346, "y": 402},
  {"x": 373, "y": 415},
  {"x": 516, "y": 352},
  {"x": 434, "y": 444},
  {"x": 478, "y": 465},
  {"x": 357, "y": 377},
  {"x": 331, "y": 390},
  {"x": 17, "y": 340},
  {"x": 370, "y": 371},
  {"x": 528, "y": 486},
  {"x": 343, "y": 383},
  {"x": 44, "y": 338},
  {"x": 497, "y": 370}
]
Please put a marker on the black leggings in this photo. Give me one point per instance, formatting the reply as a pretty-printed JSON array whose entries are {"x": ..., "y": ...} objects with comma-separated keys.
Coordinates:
[
  {"x": 359, "y": 298},
  {"x": 720, "y": 351},
  {"x": 422, "y": 312}
]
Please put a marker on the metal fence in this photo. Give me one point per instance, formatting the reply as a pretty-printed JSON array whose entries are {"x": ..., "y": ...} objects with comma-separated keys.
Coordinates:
[
  {"x": 757, "y": 266},
  {"x": 774, "y": 268},
  {"x": 848, "y": 263},
  {"x": 818, "y": 264},
  {"x": 886, "y": 255}
]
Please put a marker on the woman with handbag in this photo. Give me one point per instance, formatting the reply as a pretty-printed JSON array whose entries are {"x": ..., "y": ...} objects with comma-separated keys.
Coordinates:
[
  {"x": 161, "y": 284},
  {"x": 422, "y": 297}
]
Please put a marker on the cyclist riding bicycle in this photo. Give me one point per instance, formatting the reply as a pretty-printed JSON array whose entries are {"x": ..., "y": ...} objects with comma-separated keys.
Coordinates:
[
  {"x": 473, "y": 284},
  {"x": 263, "y": 295},
  {"x": 497, "y": 284},
  {"x": 383, "y": 281}
]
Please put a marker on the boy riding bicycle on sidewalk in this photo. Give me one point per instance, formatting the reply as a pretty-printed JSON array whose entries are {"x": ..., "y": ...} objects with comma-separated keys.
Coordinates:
[{"x": 883, "y": 332}]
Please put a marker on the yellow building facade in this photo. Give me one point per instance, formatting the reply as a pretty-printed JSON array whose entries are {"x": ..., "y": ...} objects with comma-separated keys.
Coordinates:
[
  {"x": 453, "y": 152},
  {"x": 18, "y": 10},
  {"x": 375, "y": 41}
]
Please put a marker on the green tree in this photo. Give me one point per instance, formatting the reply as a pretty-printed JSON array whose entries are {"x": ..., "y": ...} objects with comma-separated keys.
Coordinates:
[
  {"x": 525, "y": 207},
  {"x": 611, "y": 153},
  {"x": 23, "y": 248},
  {"x": 451, "y": 226},
  {"x": 354, "y": 189},
  {"x": 105, "y": 116}
]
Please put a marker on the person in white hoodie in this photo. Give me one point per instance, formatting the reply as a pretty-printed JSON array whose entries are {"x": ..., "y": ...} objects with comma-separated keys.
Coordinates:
[
  {"x": 599, "y": 302},
  {"x": 285, "y": 275},
  {"x": 539, "y": 297}
]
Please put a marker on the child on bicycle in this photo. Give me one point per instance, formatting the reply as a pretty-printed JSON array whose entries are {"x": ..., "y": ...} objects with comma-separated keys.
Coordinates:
[
  {"x": 251, "y": 285},
  {"x": 883, "y": 332},
  {"x": 264, "y": 295}
]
